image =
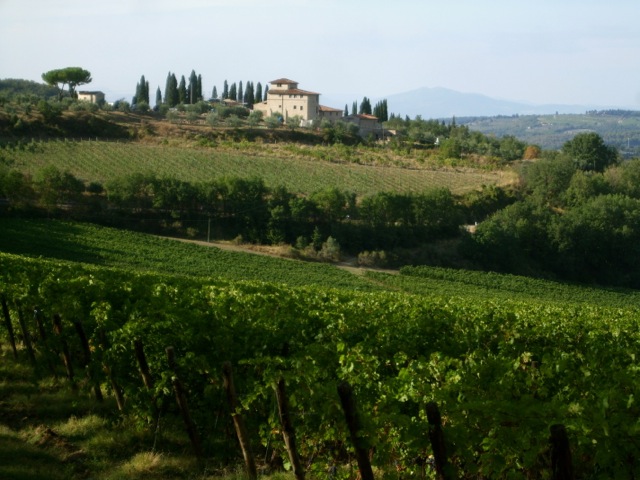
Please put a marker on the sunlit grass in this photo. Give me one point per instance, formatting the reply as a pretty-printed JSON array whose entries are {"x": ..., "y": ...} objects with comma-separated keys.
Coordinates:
[{"x": 152, "y": 466}]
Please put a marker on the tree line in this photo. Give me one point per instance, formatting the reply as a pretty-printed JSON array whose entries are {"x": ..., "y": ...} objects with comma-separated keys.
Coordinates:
[
  {"x": 189, "y": 92},
  {"x": 248, "y": 209},
  {"x": 575, "y": 214},
  {"x": 577, "y": 217}
]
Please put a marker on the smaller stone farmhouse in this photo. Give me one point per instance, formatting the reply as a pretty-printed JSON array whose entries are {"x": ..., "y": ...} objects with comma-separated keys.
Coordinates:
[
  {"x": 331, "y": 114},
  {"x": 93, "y": 97},
  {"x": 368, "y": 125},
  {"x": 285, "y": 98}
]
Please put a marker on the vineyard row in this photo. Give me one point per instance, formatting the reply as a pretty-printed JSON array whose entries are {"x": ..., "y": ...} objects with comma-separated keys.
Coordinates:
[{"x": 502, "y": 375}]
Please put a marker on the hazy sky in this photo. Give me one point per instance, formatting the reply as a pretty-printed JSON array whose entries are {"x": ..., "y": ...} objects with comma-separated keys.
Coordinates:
[{"x": 540, "y": 51}]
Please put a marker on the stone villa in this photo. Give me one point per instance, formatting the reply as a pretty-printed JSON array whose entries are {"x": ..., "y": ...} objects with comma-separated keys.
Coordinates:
[{"x": 284, "y": 97}]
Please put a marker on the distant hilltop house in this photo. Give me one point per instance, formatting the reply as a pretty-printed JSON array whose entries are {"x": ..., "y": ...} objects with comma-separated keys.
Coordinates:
[
  {"x": 285, "y": 98},
  {"x": 93, "y": 97}
]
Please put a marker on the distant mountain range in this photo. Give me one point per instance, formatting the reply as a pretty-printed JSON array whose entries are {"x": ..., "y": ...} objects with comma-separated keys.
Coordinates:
[{"x": 444, "y": 103}]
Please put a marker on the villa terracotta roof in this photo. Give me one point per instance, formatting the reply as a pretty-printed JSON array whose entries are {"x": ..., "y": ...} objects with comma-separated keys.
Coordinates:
[
  {"x": 290, "y": 91},
  {"x": 365, "y": 116},
  {"x": 329, "y": 109},
  {"x": 283, "y": 80}
]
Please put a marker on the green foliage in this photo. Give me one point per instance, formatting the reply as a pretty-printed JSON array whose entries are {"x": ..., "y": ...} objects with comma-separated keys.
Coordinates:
[
  {"x": 142, "y": 106},
  {"x": 589, "y": 152},
  {"x": 312, "y": 169},
  {"x": 584, "y": 186},
  {"x": 513, "y": 239},
  {"x": 71, "y": 76},
  {"x": 12, "y": 88},
  {"x": 501, "y": 372},
  {"x": 330, "y": 250},
  {"x": 171, "y": 97},
  {"x": 182, "y": 91},
  {"x": 479, "y": 204},
  {"x": 142, "y": 92},
  {"x": 91, "y": 244},
  {"x": 547, "y": 179},
  {"x": 50, "y": 111},
  {"x": 451, "y": 148},
  {"x": 16, "y": 188},
  {"x": 333, "y": 203},
  {"x": 578, "y": 224},
  {"x": 255, "y": 117},
  {"x": 273, "y": 121},
  {"x": 625, "y": 178},
  {"x": 598, "y": 240},
  {"x": 55, "y": 187},
  {"x": 381, "y": 111},
  {"x": 365, "y": 107},
  {"x": 618, "y": 128},
  {"x": 471, "y": 285}
]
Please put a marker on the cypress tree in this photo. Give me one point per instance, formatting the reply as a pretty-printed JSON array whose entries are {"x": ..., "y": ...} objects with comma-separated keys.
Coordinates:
[
  {"x": 266, "y": 91},
  {"x": 365, "y": 107},
  {"x": 199, "y": 92},
  {"x": 240, "y": 92},
  {"x": 158, "y": 97},
  {"x": 258, "y": 93},
  {"x": 171, "y": 90},
  {"x": 193, "y": 88},
  {"x": 167, "y": 88},
  {"x": 182, "y": 91},
  {"x": 354, "y": 107},
  {"x": 142, "y": 91},
  {"x": 174, "y": 90},
  {"x": 225, "y": 91},
  {"x": 233, "y": 91},
  {"x": 249, "y": 96},
  {"x": 380, "y": 111},
  {"x": 214, "y": 93},
  {"x": 346, "y": 110}
]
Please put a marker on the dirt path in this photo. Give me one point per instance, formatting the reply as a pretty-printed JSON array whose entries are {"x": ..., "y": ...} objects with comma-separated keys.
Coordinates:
[{"x": 350, "y": 264}]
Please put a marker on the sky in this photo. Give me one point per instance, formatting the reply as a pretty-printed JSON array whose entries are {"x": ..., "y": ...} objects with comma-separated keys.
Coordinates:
[{"x": 582, "y": 52}]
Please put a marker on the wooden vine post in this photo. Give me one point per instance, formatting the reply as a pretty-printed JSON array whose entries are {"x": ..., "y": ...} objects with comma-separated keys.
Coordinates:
[
  {"x": 26, "y": 336},
  {"x": 181, "y": 398},
  {"x": 288, "y": 432},
  {"x": 143, "y": 365},
  {"x": 345, "y": 391},
  {"x": 87, "y": 359},
  {"x": 9, "y": 325},
  {"x": 66, "y": 356},
  {"x": 444, "y": 470},
  {"x": 238, "y": 421},
  {"x": 38, "y": 316},
  {"x": 561, "y": 464},
  {"x": 117, "y": 390}
]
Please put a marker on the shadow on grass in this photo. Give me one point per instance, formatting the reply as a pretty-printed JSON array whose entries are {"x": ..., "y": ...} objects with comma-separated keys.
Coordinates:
[
  {"x": 20, "y": 460},
  {"x": 52, "y": 239}
]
